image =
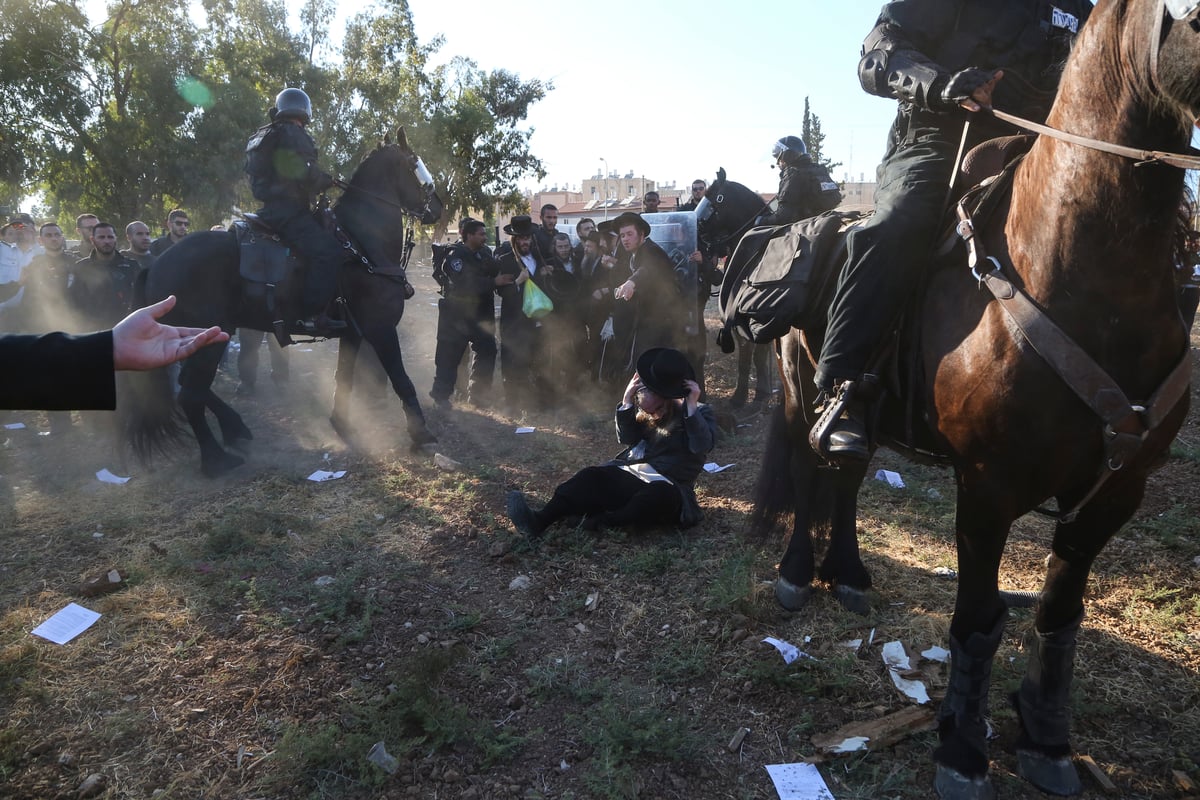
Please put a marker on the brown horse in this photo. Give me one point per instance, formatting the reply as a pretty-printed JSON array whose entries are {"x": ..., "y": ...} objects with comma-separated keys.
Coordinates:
[{"x": 1088, "y": 237}]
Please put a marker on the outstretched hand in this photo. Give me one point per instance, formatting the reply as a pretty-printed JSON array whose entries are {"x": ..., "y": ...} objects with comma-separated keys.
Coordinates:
[{"x": 141, "y": 342}]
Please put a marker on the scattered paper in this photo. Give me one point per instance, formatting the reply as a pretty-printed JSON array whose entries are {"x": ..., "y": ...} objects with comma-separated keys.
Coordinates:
[
  {"x": 853, "y": 644},
  {"x": 325, "y": 475},
  {"x": 892, "y": 479},
  {"x": 944, "y": 572},
  {"x": 897, "y": 661},
  {"x": 526, "y": 430},
  {"x": 15, "y": 426},
  {"x": 852, "y": 744},
  {"x": 788, "y": 650},
  {"x": 936, "y": 653},
  {"x": 798, "y": 782},
  {"x": 67, "y": 624},
  {"x": 107, "y": 477},
  {"x": 712, "y": 466}
]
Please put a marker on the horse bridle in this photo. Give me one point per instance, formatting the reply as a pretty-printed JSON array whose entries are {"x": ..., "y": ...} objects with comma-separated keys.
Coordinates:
[
  {"x": 703, "y": 214},
  {"x": 1178, "y": 10}
]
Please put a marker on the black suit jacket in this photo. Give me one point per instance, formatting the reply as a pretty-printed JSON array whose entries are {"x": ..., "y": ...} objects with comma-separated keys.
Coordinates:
[{"x": 57, "y": 371}]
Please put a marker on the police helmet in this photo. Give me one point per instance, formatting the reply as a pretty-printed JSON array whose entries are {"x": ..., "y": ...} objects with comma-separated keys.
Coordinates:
[
  {"x": 293, "y": 104},
  {"x": 789, "y": 148}
]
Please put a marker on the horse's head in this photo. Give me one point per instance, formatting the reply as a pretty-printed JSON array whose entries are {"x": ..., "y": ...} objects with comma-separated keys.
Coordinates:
[
  {"x": 1176, "y": 63},
  {"x": 392, "y": 175},
  {"x": 725, "y": 212}
]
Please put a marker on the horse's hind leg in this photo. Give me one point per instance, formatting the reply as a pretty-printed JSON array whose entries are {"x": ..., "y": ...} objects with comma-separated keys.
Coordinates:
[
  {"x": 233, "y": 431},
  {"x": 1043, "y": 701},
  {"x": 343, "y": 386},
  {"x": 195, "y": 378}
]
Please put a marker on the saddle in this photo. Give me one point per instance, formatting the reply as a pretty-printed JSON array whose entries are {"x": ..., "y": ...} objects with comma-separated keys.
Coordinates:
[{"x": 272, "y": 276}]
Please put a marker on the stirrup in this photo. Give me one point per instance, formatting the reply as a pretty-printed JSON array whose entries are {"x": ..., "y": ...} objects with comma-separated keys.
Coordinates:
[{"x": 830, "y": 412}]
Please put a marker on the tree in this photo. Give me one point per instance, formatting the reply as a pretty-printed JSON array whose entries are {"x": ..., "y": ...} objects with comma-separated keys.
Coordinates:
[{"x": 813, "y": 138}]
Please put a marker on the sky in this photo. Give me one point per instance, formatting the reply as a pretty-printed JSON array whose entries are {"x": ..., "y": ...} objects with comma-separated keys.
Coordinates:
[{"x": 671, "y": 91}]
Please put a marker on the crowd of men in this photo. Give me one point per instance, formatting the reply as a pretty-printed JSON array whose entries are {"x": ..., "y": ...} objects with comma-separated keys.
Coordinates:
[{"x": 612, "y": 294}]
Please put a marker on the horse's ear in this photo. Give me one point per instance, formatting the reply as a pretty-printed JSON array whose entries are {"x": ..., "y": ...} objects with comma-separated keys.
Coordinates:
[
  {"x": 387, "y": 139},
  {"x": 720, "y": 173},
  {"x": 402, "y": 138}
]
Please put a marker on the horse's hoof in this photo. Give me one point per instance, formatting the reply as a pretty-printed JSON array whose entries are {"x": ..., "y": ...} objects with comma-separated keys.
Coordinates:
[
  {"x": 852, "y": 599},
  {"x": 1051, "y": 775},
  {"x": 218, "y": 465},
  {"x": 953, "y": 785},
  {"x": 791, "y": 596},
  {"x": 342, "y": 429},
  {"x": 421, "y": 436}
]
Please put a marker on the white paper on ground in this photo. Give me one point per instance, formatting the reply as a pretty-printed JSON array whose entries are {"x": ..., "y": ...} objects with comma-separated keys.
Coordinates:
[
  {"x": 712, "y": 466},
  {"x": 798, "y": 782},
  {"x": 892, "y": 479},
  {"x": 936, "y": 653},
  {"x": 325, "y": 475},
  {"x": 788, "y": 650},
  {"x": 896, "y": 659},
  {"x": 15, "y": 426},
  {"x": 107, "y": 477},
  {"x": 526, "y": 430},
  {"x": 67, "y": 624},
  {"x": 852, "y": 744}
]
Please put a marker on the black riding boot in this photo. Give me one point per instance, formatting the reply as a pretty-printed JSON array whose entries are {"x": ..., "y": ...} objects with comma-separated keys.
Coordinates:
[
  {"x": 1044, "y": 706},
  {"x": 962, "y": 760},
  {"x": 840, "y": 433}
]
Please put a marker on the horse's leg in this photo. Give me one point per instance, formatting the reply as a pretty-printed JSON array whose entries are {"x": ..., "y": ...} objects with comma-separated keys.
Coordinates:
[
  {"x": 981, "y": 530},
  {"x": 195, "y": 378},
  {"x": 234, "y": 432},
  {"x": 387, "y": 347},
  {"x": 1043, "y": 701},
  {"x": 343, "y": 385},
  {"x": 746, "y": 351},
  {"x": 762, "y": 372},
  {"x": 842, "y": 567}
]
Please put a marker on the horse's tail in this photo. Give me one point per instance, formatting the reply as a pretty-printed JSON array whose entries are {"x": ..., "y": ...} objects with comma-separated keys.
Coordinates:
[
  {"x": 149, "y": 417},
  {"x": 774, "y": 492}
]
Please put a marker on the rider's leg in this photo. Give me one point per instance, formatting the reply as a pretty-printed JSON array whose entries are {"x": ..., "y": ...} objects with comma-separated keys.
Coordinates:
[{"x": 323, "y": 254}]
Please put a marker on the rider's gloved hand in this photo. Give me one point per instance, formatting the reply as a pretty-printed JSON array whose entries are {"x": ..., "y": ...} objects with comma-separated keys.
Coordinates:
[{"x": 961, "y": 86}]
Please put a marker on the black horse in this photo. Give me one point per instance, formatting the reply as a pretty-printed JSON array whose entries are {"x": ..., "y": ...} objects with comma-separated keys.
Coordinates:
[
  {"x": 390, "y": 188},
  {"x": 1055, "y": 368}
]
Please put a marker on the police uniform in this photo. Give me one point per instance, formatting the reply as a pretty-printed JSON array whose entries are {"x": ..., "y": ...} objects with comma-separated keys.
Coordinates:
[
  {"x": 281, "y": 160},
  {"x": 466, "y": 315},
  {"x": 102, "y": 291},
  {"x": 805, "y": 190},
  {"x": 914, "y": 51}
]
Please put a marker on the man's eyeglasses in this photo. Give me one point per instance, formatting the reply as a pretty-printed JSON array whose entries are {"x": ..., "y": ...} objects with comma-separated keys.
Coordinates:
[
  {"x": 185, "y": 223},
  {"x": 697, "y": 188}
]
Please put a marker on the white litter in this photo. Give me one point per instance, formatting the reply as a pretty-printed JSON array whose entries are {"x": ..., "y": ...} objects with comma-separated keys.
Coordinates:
[
  {"x": 107, "y": 477},
  {"x": 892, "y": 479},
  {"x": 936, "y": 653},
  {"x": 526, "y": 430},
  {"x": 896, "y": 660},
  {"x": 325, "y": 475},
  {"x": 15, "y": 426},
  {"x": 798, "y": 782},
  {"x": 788, "y": 650},
  {"x": 67, "y": 624},
  {"x": 712, "y": 466}
]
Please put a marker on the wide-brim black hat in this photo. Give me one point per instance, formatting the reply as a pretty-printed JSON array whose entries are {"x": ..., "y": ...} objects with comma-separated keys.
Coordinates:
[
  {"x": 663, "y": 371},
  {"x": 630, "y": 218},
  {"x": 521, "y": 225},
  {"x": 595, "y": 236}
]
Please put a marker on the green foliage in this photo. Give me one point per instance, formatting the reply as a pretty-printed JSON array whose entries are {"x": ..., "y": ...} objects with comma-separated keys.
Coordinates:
[
  {"x": 733, "y": 586},
  {"x": 149, "y": 110},
  {"x": 810, "y": 133}
]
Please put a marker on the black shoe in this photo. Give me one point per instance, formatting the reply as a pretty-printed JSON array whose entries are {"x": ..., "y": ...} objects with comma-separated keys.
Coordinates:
[
  {"x": 522, "y": 516},
  {"x": 848, "y": 438}
]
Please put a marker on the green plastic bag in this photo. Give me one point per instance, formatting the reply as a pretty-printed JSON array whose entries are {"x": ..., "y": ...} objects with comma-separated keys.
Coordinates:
[{"x": 536, "y": 303}]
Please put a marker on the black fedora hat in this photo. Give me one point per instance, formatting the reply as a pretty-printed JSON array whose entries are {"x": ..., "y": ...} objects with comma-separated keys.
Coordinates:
[
  {"x": 521, "y": 225},
  {"x": 663, "y": 371},
  {"x": 630, "y": 218}
]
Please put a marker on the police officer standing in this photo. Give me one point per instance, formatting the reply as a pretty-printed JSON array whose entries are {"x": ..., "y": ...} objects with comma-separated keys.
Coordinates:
[
  {"x": 805, "y": 188},
  {"x": 281, "y": 160},
  {"x": 467, "y": 315}
]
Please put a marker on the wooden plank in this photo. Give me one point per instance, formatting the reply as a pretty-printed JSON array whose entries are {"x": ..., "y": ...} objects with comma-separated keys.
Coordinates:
[
  {"x": 881, "y": 732},
  {"x": 1098, "y": 775}
]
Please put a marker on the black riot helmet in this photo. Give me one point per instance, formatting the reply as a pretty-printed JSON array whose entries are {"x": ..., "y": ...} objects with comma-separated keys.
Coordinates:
[
  {"x": 293, "y": 104},
  {"x": 789, "y": 148}
]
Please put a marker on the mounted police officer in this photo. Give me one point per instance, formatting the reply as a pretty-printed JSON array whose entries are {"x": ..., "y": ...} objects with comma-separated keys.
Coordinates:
[
  {"x": 467, "y": 315},
  {"x": 940, "y": 60},
  {"x": 805, "y": 188},
  {"x": 281, "y": 160}
]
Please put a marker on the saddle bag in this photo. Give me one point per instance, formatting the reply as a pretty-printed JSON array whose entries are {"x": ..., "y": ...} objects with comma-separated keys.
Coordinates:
[{"x": 778, "y": 278}]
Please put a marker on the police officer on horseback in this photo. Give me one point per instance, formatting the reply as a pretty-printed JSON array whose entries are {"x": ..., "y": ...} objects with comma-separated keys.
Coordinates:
[
  {"x": 281, "y": 160},
  {"x": 805, "y": 188},
  {"x": 940, "y": 60}
]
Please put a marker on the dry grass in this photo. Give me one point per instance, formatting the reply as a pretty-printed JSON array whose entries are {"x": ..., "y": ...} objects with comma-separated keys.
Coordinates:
[{"x": 224, "y": 670}]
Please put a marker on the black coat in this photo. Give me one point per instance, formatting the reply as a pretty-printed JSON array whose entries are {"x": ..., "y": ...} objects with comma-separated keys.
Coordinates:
[
  {"x": 663, "y": 308},
  {"x": 57, "y": 372},
  {"x": 805, "y": 190},
  {"x": 281, "y": 160},
  {"x": 101, "y": 292}
]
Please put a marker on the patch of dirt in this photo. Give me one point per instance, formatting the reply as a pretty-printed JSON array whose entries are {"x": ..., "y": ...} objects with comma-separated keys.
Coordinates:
[{"x": 272, "y": 629}]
